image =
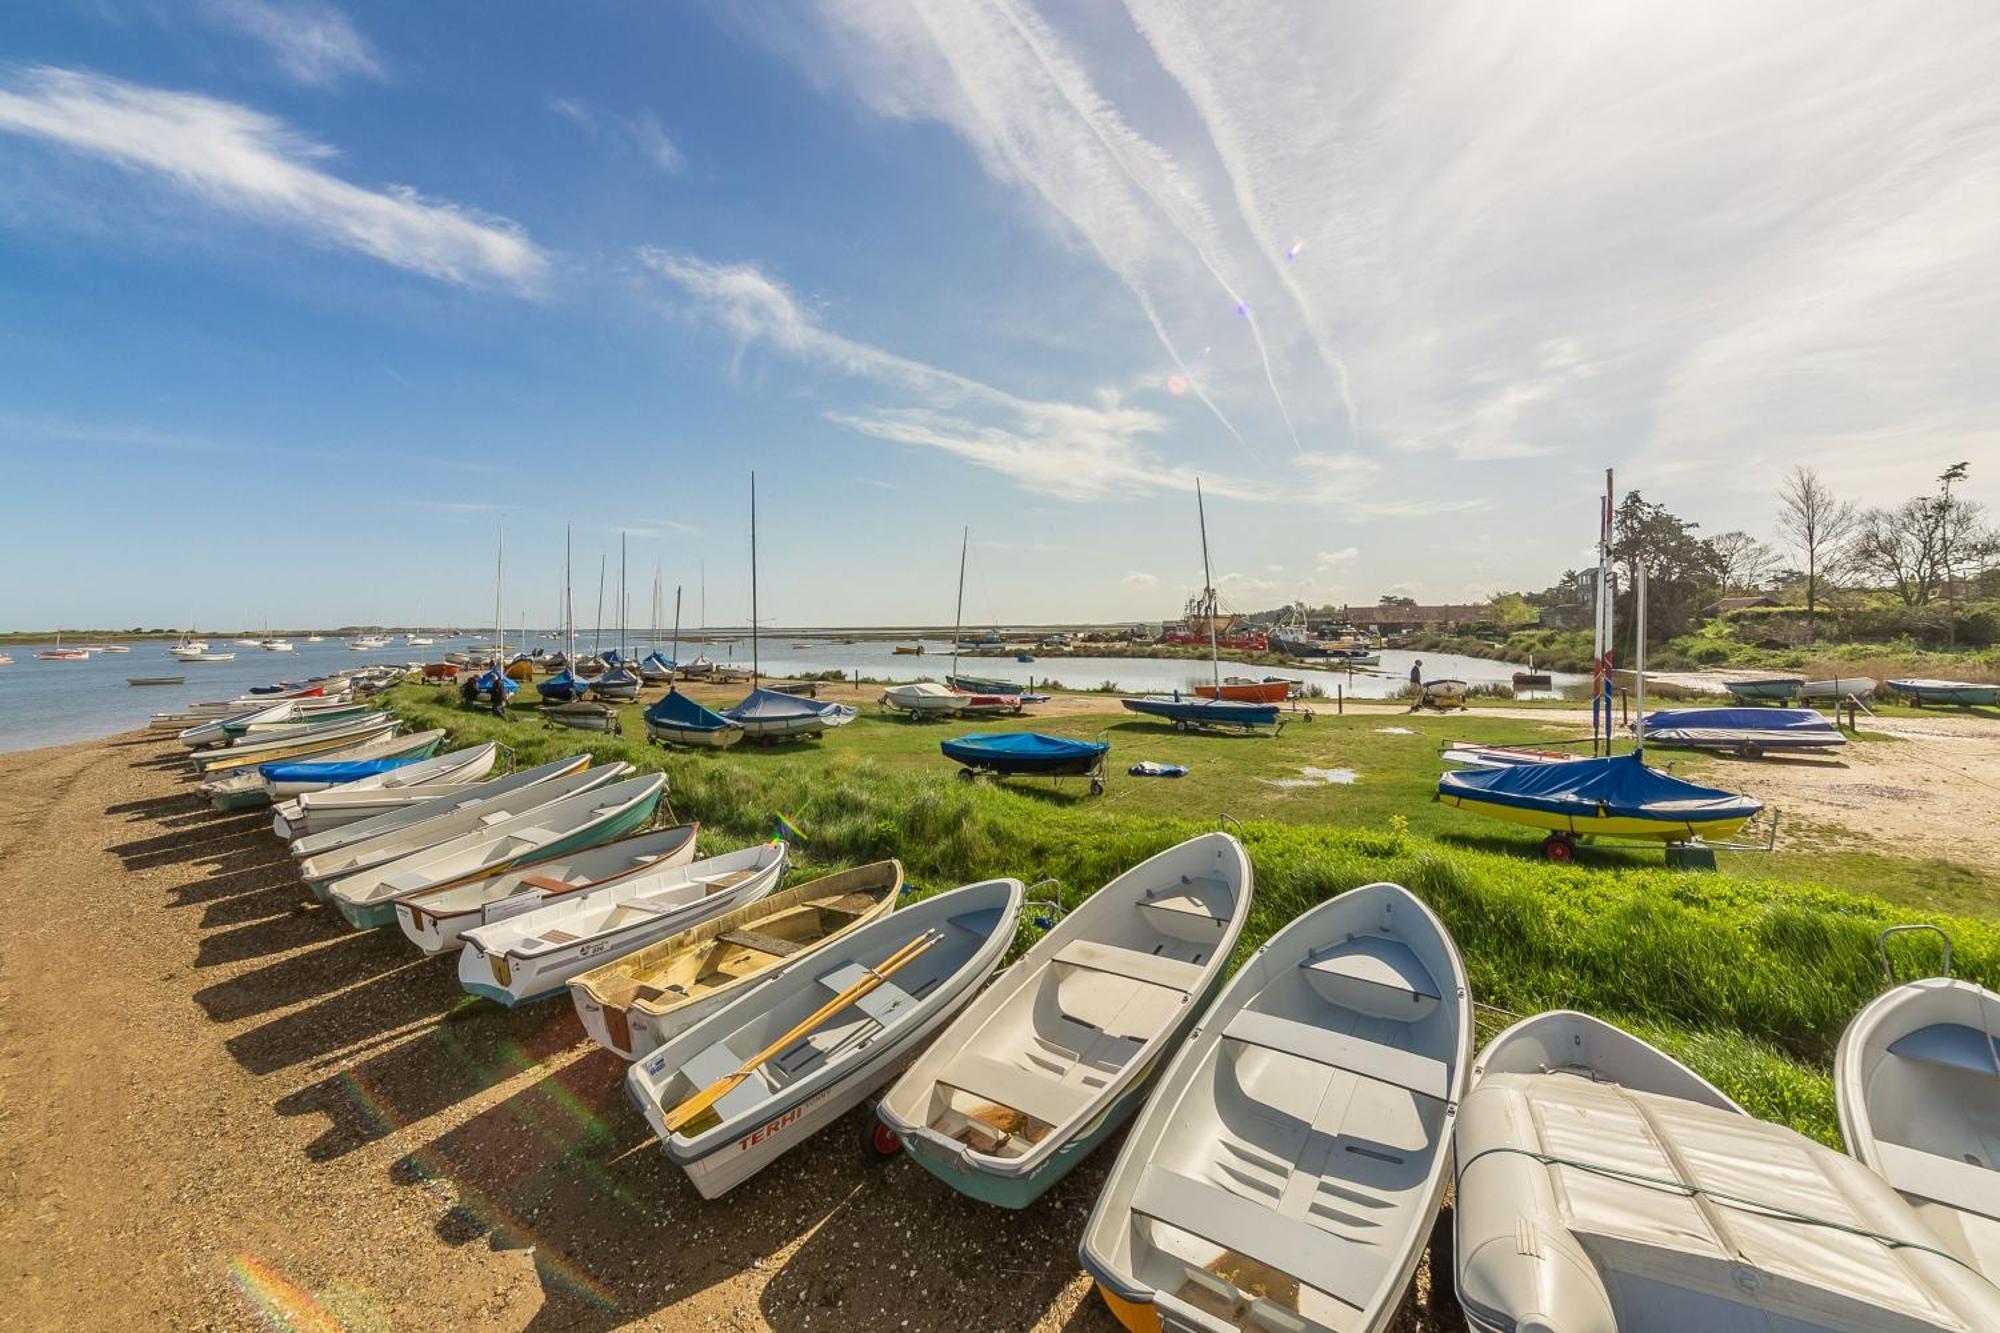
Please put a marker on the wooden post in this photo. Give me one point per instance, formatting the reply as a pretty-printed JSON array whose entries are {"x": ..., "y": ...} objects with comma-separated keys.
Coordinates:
[
  {"x": 1340, "y": 700},
  {"x": 1624, "y": 710}
]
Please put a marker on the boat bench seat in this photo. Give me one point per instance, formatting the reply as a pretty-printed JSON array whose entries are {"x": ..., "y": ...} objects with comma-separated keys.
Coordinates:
[
  {"x": 1929, "y": 1175},
  {"x": 885, "y": 1004},
  {"x": 1384, "y": 1064},
  {"x": 1024, "y": 1090},
  {"x": 719, "y": 1062},
  {"x": 1153, "y": 969},
  {"x": 762, "y": 943},
  {"x": 547, "y": 883},
  {"x": 535, "y": 837},
  {"x": 1374, "y": 975},
  {"x": 1188, "y": 899},
  {"x": 1294, "y": 1246},
  {"x": 1953, "y": 1045}
]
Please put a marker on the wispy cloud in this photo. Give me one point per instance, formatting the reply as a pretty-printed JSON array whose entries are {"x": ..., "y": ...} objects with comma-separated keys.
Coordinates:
[
  {"x": 65, "y": 430},
  {"x": 243, "y": 162},
  {"x": 641, "y": 133},
  {"x": 460, "y": 510},
  {"x": 1326, "y": 560},
  {"x": 313, "y": 43},
  {"x": 1139, "y": 578}
]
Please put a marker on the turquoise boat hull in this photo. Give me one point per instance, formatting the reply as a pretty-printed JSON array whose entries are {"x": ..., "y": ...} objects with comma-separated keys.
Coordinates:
[{"x": 243, "y": 800}]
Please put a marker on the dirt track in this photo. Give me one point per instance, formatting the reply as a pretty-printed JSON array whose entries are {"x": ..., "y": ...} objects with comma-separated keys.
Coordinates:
[{"x": 223, "y": 1109}]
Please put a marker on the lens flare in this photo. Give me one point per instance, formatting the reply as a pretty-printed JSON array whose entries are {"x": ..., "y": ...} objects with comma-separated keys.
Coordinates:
[
  {"x": 276, "y": 1300},
  {"x": 1177, "y": 385},
  {"x": 1243, "y": 309},
  {"x": 1298, "y": 248}
]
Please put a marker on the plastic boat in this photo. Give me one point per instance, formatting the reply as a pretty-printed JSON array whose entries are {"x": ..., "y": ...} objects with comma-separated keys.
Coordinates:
[
  {"x": 1025, "y": 754},
  {"x": 1061, "y": 1049},
  {"x": 771, "y": 715},
  {"x": 1287, "y": 1173},
  {"x": 1959, "y": 692},
  {"x": 1248, "y": 691},
  {"x": 1474, "y": 755},
  {"x": 633, "y": 1004},
  {"x": 1748, "y": 732},
  {"x": 1187, "y": 712},
  {"x": 290, "y": 778},
  {"x": 924, "y": 698},
  {"x": 833, "y": 1054},
  {"x": 245, "y": 788},
  {"x": 1917, "y": 1084},
  {"x": 533, "y": 956},
  {"x": 563, "y": 687},
  {"x": 1840, "y": 687},
  {"x": 583, "y": 715},
  {"x": 1619, "y": 797},
  {"x": 327, "y": 820},
  {"x": 676, "y": 719},
  {"x": 381, "y": 792},
  {"x": 1602, "y": 1185},
  {"x": 436, "y": 919},
  {"x": 1780, "y": 688},
  {"x": 981, "y": 685},
  {"x": 296, "y": 743}
]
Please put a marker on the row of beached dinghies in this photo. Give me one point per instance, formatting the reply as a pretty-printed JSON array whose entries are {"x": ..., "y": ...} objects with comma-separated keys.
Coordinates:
[{"x": 1292, "y": 1132}]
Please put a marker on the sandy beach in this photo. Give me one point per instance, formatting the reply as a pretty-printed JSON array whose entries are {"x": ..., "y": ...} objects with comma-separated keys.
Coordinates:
[{"x": 226, "y": 1110}]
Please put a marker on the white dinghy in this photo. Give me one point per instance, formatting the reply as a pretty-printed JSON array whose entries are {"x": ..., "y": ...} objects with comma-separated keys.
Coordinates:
[
  {"x": 366, "y": 797},
  {"x": 416, "y": 804},
  {"x": 1604, "y": 1186},
  {"x": 531, "y": 957},
  {"x": 924, "y": 698},
  {"x": 453, "y": 818},
  {"x": 435, "y": 919},
  {"x": 1838, "y": 688},
  {"x": 1287, "y": 1173},
  {"x": 218, "y": 730},
  {"x": 1917, "y": 1082},
  {"x": 767, "y": 1072},
  {"x": 543, "y": 833},
  {"x": 1064, "y": 1046},
  {"x": 317, "y": 738}
]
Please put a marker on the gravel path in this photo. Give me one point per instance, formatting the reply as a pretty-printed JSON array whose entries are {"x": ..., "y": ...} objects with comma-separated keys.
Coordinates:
[{"x": 219, "y": 1108}]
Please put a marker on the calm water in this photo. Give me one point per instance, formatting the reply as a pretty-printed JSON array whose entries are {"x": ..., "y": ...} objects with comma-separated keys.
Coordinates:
[{"x": 50, "y": 703}]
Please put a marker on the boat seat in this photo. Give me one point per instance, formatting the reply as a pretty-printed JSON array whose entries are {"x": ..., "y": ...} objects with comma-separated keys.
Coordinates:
[
  {"x": 762, "y": 943},
  {"x": 1340, "y": 1267},
  {"x": 1187, "y": 901},
  {"x": 1929, "y": 1175},
  {"x": 535, "y": 837},
  {"x": 1376, "y": 976},
  {"x": 1953, "y": 1045},
  {"x": 492, "y": 817},
  {"x": 546, "y": 883},
  {"x": 719, "y": 1062},
  {"x": 409, "y": 881},
  {"x": 1384, "y": 1064},
  {"x": 1033, "y": 1094},
  {"x": 1153, "y": 969},
  {"x": 885, "y": 1004}
]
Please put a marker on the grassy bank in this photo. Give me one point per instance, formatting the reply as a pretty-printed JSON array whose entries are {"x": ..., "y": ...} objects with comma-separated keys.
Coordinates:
[
  {"x": 1749, "y": 977},
  {"x": 1717, "y": 646}
]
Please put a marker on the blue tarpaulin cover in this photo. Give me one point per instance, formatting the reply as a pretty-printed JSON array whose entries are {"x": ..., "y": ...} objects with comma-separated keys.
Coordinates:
[
  {"x": 1194, "y": 708},
  {"x": 564, "y": 686},
  {"x": 677, "y": 710},
  {"x": 1622, "y": 786},
  {"x": 1737, "y": 719},
  {"x": 334, "y": 771},
  {"x": 1024, "y": 752},
  {"x": 770, "y": 705},
  {"x": 485, "y": 683}
]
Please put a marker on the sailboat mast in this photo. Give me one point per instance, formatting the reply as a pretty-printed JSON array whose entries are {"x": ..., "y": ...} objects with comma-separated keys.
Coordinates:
[
  {"x": 1639, "y": 664},
  {"x": 597, "y": 637},
  {"x": 753, "y": 582},
  {"x": 569, "y": 610},
  {"x": 958, "y": 616},
  {"x": 1208, "y": 589},
  {"x": 674, "y": 662},
  {"x": 623, "y": 607},
  {"x": 499, "y": 619}
]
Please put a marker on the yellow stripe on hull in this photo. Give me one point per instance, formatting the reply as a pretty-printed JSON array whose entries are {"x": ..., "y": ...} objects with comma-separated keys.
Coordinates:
[
  {"x": 1603, "y": 826},
  {"x": 282, "y": 753}
]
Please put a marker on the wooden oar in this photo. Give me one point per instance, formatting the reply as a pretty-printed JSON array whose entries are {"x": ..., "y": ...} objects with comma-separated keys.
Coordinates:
[{"x": 728, "y": 1083}]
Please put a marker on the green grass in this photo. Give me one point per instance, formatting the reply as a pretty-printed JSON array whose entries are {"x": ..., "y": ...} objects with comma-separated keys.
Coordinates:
[{"x": 1750, "y": 977}]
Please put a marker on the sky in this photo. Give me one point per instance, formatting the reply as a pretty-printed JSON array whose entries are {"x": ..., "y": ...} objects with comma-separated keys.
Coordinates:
[{"x": 302, "y": 305}]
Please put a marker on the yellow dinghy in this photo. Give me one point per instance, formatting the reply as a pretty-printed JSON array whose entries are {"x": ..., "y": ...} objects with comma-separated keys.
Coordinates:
[{"x": 635, "y": 1003}]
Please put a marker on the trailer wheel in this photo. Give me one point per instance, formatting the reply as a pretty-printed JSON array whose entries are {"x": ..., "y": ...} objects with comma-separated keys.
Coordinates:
[
  {"x": 1097, "y": 786},
  {"x": 966, "y": 775},
  {"x": 1559, "y": 848},
  {"x": 1751, "y": 750},
  {"x": 879, "y": 1142}
]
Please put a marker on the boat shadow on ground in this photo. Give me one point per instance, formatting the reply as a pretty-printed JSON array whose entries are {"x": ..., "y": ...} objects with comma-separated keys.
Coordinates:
[
  {"x": 210, "y": 841},
  {"x": 390, "y": 992},
  {"x": 154, "y": 806},
  {"x": 274, "y": 934}
]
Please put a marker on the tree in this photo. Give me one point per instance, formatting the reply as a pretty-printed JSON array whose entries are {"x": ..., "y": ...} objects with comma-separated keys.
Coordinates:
[
  {"x": 1918, "y": 547},
  {"x": 1576, "y": 585},
  {"x": 1511, "y": 609},
  {"x": 1394, "y": 599},
  {"x": 1819, "y": 527},
  {"x": 1743, "y": 562},
  {"x": 1681, "y": 569}
]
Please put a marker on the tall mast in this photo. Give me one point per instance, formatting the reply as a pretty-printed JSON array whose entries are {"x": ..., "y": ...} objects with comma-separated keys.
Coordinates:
[
  {"x": 1208, "y": 590},
  {"x": 569, "y": 610},
  {"x": 958, "y": 616},
  {"x": 1600, "y": 699},
  {"x": 499, "y": 620},
  {"x": 1639, "y": 664},
  {"x": 597, "y": 638},
  {"x": 753, "y": 582},
  {"x": 674, "y": 662},
  {"x": 623, "y": 615}
]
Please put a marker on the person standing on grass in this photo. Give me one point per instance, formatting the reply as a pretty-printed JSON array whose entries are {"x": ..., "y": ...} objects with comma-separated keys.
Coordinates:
[
  {"x": 1417, "y": 674},
  {"x": 499, "y": 693}
]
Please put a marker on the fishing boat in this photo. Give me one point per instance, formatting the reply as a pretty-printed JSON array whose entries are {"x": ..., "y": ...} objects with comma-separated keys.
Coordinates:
[
  {"x": 325, "y": 858},
  {"x": 368, "y": 899},
  {"x": 150, "y": 680},
  {"x": 731, "y": 1093},
  {"x": 631, "y": 1005},
  {"x": 436, "y": 919},
  {"x": 258, "y": 786},
  {"x": 1838, "y": 688},
  {"x": 1618, "y": 797},
  {"x": 522, "y": 959},
  {"x": 583, "y": 715},
  {"x": 1189, "y": 713},
  {"x": 1950, "y": 692},
  {"x": 1061, "y": 1049},
  {"x": 675, "y": 719},
  {"x": 1781, "y": 689},
  {"x": 369, "y": 796},
  {"x": 1243, "y": 689},
  {"x": 1747, "y": 732},
  {"x": 1603, "y": 1185},
  {"x": 1288, "y": 1171},
  {"x": 326, "y": 821},
  {"x": 1917, "y": 1084},
  {"x": 923, "y": 698},
  {"x": 1027, "y": 754}
]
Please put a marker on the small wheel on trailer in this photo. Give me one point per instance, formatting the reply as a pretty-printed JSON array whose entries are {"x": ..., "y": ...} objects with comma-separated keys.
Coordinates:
[
  {"x": 1097, "y": 786},
  {"x": 1751, "y": 750},
  {"x": 966, "y": 775},
  {"x": 1559, "y": 847},
  {"x": 879, "y": 1142},
  {"x": 1180, "y": 724}
]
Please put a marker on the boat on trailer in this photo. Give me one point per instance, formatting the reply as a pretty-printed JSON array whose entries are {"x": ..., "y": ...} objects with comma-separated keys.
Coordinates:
[
  {"x": 1616, "y": 797},
  {"x": 675, "y": 719},
  {"x": 1189, "y": 713},
  {"x": 1287, "y": 1173},
  {"x": 1746, "y": 732},
  {"x": 1061, "y": 1049},
  {"x": 1779, "y": 689},
  {"x": 1027, "y": 754},
  {"x": 1242, "y": 688},
  {"x": 767, "y": 714},
  {"x": 923, "y": 698},
  {"x": 1959, "y": 693}
]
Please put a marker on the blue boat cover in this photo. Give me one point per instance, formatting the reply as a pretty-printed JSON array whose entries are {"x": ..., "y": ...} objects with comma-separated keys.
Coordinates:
[
  {"x": 657, "y": 662},
  {"x": 1024, "y": 752},
  {"x": 485, "y": 683},
  {"x": 617, "y": 675},
  {"x": 1775, "y": 720},
  {"x": 334, "y": 770},
  {"x": 1621, "y": 786},
  {"x": 564, "y": 686},
  {"x": 770, "y": 706},
  {"x": 1194, "y": 708},
  {"x": 612, "y": 657},
  {"x": 677, "y": 710}
]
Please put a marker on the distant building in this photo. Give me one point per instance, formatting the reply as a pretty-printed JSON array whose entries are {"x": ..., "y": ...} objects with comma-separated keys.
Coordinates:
[
  {"x": 1728, "y": 604},
  {"x": 1403, "y": 619},
  {"x": 1570, "y": 615}
]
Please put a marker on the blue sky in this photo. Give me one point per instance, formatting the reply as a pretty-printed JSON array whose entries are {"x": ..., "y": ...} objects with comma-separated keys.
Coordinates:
[{"x": 299, "y": 303}]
